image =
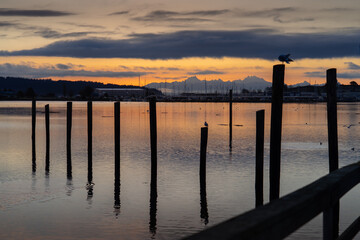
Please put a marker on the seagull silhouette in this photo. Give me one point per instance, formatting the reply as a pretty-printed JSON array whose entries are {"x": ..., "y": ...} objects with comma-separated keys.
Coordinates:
[
  {"x": 285, "y": 58},
  {"x": 206, "y": 124}
]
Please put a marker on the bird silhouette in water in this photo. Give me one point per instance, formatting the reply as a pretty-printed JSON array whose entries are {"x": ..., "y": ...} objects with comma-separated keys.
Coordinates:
[
  {"x": 285, "y": 58},
  {"x": 206, "y": 124}
]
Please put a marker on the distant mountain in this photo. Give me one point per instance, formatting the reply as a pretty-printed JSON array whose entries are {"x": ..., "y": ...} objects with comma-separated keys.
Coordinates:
[
  {"x": 195, "y": 85},
  {"x": 303, "y": 84},
  {"x": 48, "y": 86}
]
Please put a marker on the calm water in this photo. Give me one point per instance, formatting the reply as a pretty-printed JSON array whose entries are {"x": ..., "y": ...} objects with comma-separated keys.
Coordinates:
[{"x": 40, "y": 206}]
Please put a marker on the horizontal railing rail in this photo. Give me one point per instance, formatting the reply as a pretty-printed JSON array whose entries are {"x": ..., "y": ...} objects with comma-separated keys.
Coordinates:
[{"x": 281, "y": 217}]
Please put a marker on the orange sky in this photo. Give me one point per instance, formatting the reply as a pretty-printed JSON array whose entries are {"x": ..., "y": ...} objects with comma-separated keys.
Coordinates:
[{"x": 227, "y": 69}]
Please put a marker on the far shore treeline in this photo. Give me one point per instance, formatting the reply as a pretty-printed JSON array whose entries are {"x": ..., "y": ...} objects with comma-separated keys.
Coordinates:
[{"x": 29, "y": 88}]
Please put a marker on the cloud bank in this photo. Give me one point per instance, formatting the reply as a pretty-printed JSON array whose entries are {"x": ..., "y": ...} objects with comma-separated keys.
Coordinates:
[
  {"x": 260, "y": 43},
  {"x": 9, "y": 12},
  {"x": 60, "y": 70}
]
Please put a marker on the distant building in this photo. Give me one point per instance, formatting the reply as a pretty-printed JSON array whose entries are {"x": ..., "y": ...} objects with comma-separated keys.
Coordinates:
[{"x": 121, "y": 92}]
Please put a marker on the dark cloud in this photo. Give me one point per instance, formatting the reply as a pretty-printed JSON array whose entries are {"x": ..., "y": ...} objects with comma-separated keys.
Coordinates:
[
  {"x": 119, "y": 13},
  {"x": 343, "y": 75},
  {"x": 32, "y": 13},
  {"x": 172, "y": 16},
  {"x": 48, "y": 33},
  {"x": 206, "y": 72},
  {"x": 7, "y": 24},
  {"x": 292, "y": 20},
  {"x": 266, "y": 12},
  {"x": 60, "y": 70},
  {"x": 64, "y": 66},
  {"x": 260, "y": 43},
  {"x": 352, "y": 66},
  {"x": 349, "y": 75}
]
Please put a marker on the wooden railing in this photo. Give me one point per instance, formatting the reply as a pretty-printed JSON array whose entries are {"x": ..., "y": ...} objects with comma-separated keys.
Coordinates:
[{"x": 283, "y": 216}]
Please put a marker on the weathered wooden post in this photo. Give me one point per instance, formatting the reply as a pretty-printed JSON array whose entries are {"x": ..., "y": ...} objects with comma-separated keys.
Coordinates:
[
  {"x": 117, "y": 154},
  {"x": 331, "y": 215},
  {"x": 153, "y": 140},
  {"x": 89, "y": 120},
  {"x": 203, "y": 146},
  {"x": 68, "y": 139},
  {"x": 275, "y": 131},
  {"x": 230, "y": 118},
  {"x": 153, "y": 183},
  {"x": 203, "y": 201},
  {"x": 47, "y": 129},
  {"x": 33, "y": 136},
  {"x": 259, "y": 168}
]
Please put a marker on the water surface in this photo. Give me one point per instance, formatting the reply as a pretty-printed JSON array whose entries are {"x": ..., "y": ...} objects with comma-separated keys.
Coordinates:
[{"x": 36, "y": 205}]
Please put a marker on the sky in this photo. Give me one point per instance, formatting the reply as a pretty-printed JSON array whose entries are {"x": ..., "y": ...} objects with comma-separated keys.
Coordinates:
[{"x": 139, "y": 41}]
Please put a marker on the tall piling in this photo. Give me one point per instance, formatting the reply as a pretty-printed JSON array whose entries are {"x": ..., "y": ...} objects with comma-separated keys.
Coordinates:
[
  {"x": 153, "y": 183},
  {"x": 203, "y": 146},
  {"x": 33, "y": 134},
  {"x": 230, "y": 118},
  {"x": 259, "y": 166},
  {"x": 202, "y": 172},
  {"x": 68, "y": 139},
  {"x": 117, "y": 154},
  {"x": 275, "y": 131},
  {"x": 90, "y": 126},
  {"x": 47, "y": 130},
  {"x": 331, "y": 215},
  {"x": 153, "y": 140}
]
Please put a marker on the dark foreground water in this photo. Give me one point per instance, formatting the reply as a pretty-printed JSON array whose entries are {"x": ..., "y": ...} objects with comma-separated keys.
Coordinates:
[{"x": 50, "y": 206}]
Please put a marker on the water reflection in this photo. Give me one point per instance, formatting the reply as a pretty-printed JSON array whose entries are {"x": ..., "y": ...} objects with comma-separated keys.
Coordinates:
[
  {"x": 204, "y": 215},
  {"x": 69, "y": 186},
  {"x": 153, "y": 208},
  {"x": 117, "y": 203}
]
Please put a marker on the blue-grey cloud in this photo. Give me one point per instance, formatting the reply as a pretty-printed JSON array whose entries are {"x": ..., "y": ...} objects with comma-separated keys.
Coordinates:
[
  {"x": 206, "y": 72},
  {"x": 32, "y": 13},
  {"x": 7, "y": 24},
  {"x": 60, "y": 70},
  {"x": 64, "y": 66},
  {"x": 343, "y": 75},
  {"x": 260, "y": 43},
  {"x": 352, "y": 66},
  {"x": 49, "y": 33},
  {"x": 172, "y": 16},
  {"x": 119, "y": 13}
]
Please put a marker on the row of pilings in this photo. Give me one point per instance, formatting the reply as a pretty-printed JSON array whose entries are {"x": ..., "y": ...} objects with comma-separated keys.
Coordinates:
[{"x": 331, "y": 217}]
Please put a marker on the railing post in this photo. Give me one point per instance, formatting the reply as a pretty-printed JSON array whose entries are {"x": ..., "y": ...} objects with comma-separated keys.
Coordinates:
[
  {"x": 331, "y": 215},
  {"x": 275, "y": 131},
  {"x": 259, "y": 168}
]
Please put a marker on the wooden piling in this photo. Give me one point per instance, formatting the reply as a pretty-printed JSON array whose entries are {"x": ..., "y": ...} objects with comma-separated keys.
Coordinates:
[
  {"x": 68, "y": 139},
  {"x": 230, "y": 118},
  {"x": 275, "y": 131},
  {"x": 331, "y": 215},
  {"x": 259, "y": 168},
  {"x": 153, "y": 183},
  {"x": 203, "y": 146},
  {"x": 47, "y": 129},
  {"x": 117, "y": 154},
  {"x": 89, "y": 120},
  {"x": 33, "y": 136},
  {"x": 153, "y": 139}
]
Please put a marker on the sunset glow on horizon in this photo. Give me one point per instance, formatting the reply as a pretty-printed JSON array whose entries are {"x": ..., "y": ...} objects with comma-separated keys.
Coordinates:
[{"x": 125, "y": 42}]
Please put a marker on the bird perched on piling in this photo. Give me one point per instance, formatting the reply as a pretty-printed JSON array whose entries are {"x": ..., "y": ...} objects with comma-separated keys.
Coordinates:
[
  {"x": 206, "y": 124},
  {"x": 285, "y": 58}
]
